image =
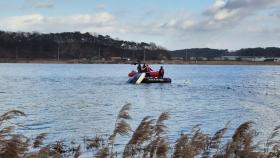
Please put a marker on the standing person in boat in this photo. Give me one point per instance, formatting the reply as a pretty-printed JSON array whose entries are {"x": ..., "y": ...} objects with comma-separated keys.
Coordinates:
[
  {"x": 161, "y": 72},
  {"x": 139, "y": 68}
]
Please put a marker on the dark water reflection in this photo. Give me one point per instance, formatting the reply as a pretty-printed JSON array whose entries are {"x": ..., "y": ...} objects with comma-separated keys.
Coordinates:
[{"x": 72, "y": 101}]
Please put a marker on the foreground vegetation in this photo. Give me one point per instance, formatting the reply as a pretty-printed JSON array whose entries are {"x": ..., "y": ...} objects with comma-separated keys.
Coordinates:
[{"x": 149, "y": 139}]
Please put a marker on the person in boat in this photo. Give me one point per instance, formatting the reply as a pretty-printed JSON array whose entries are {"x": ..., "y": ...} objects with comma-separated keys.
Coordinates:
[
  {"x": 139, "y": 68},
  {"x": 146, "y": 70},
  {"x": 161, "y": 72},
  {"x": 149, "y": 69}
]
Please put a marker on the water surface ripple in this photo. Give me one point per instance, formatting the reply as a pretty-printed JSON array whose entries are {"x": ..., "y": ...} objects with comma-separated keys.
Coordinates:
[{"x": 73, "y": 101}]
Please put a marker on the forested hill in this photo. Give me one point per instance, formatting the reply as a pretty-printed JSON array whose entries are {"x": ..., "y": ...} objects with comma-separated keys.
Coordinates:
[
  {"x": 76, "y": 45},
  {"x": 264, "y": 52},
  {"x": 212, "y": 53},
  {"x": 73, "y": 45},
  {"x": 199, "y": 52}
]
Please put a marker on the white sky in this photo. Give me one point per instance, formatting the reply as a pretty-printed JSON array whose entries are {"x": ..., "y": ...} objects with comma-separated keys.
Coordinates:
[{"x": 174, "y": 24}]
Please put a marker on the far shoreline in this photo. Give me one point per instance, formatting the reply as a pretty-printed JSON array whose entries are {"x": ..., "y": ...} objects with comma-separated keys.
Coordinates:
[{"x": 163, "y": 62}]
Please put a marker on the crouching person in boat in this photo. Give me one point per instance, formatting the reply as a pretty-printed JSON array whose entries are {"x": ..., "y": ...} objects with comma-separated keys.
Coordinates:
[
  {"x": 161, "y": 72},
  {"x": 147, "y": 69},
  {"x": 144, "y": 68}
]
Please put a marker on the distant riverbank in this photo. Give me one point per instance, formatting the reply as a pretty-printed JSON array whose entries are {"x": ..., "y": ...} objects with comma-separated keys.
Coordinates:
[{"x": 82, "y": 61}]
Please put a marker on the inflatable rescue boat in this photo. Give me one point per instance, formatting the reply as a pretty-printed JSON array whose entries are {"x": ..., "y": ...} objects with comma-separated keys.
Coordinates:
[{"x": 149, "y": 77}]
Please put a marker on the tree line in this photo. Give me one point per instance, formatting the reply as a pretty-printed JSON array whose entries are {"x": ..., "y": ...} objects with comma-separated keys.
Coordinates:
[
  {"x": 198, "y": 52},
  {"x": 212, "y": 53},
  {"x": 77, "y": 45},
  {"x": 74, "y": 45}
]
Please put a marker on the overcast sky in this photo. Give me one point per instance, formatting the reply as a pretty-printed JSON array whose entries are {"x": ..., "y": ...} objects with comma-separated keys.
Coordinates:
[{"x": 174, "y": 24}]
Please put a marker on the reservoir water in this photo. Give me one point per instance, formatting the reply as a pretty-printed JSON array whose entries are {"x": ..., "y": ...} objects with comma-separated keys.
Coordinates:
[{"x": 72, "y": 101}]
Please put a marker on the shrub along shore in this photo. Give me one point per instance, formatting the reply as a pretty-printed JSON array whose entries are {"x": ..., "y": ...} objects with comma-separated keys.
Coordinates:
[{"x": 149, "y": 139}]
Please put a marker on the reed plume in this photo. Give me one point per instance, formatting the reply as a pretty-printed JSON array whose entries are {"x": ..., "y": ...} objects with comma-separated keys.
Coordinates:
[
  {"x": 124, "y": 112},
  {"x": 103, "y": 153},
  {"x": 142, "y": 133},
  {"x": 11, "y": 145},
  {"x": 10, "y": 115},
  {"x": 77, "y": 152},
  {"x": 58, "y": 149},
  {"x": 214, "y": 143},
  {"x": 181, "y": 147},
  {"x": 122, "y": 127},
  {"x": 272, "y": 147},
  {"x": 14, "y": 147},
  {"x": 216, "y": 139},
  {"x": 191, "y": 146},
  {"x": 162, "y": 148},
  {"x": 160, "y": 127},
  {"x": 95, "y": 143},
  {"x": 241, "y": 144},
  {"x": 158, "y": 143},
  {"x": 39, "y": 140}
]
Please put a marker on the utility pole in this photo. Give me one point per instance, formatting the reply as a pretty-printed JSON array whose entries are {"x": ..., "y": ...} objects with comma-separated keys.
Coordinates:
[
  {"x": 186, "y": 55},
  {"x": 58, "y": 53},
  {"x": 99, "y": 53},
  {"x": 16, "y": 52},
  {"x": 144, "y": 54},
  {"x": 59, "y": 43}
]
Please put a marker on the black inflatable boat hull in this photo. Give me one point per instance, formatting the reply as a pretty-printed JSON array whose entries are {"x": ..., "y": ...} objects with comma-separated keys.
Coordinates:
[
  {"x": 156, "y": 80},
  {"x": 140, "y": 78}
]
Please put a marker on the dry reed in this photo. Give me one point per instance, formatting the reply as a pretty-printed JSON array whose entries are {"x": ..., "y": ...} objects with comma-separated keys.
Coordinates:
[{"x": 148, "y": 140}]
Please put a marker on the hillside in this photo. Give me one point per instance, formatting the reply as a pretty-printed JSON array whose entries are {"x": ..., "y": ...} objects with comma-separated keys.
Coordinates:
[
  {"x": 74, "y": 45},
  {"x": 197, "y": 52},
  {"x": 214, "y": 53}
]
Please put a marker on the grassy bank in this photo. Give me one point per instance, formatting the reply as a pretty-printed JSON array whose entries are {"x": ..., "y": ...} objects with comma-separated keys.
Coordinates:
[{"x": 149, "y": 139}]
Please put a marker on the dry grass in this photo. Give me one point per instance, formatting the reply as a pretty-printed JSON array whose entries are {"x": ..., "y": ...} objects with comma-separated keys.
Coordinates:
[{"x": 148, "y": 140}]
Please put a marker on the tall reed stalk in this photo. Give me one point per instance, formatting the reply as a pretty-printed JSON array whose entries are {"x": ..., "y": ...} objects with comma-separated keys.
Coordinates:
[{"x": 148, "y": 140}]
